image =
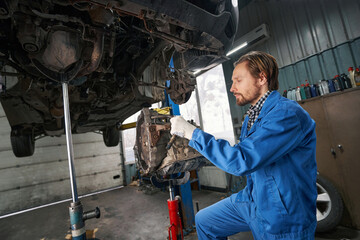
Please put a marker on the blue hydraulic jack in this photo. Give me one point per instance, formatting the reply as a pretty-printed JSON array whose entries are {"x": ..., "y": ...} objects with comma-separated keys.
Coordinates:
[{"x": 77, "y": 216}]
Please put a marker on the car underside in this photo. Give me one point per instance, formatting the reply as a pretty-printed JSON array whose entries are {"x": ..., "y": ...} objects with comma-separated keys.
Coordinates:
[{"x": 114, "y": 55}]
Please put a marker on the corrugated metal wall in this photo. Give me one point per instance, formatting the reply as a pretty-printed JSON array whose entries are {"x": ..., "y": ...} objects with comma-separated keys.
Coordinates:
[
  {"x": 324, "y": 65},
  {"x": 311, "y": 40},
  {"x": 44, "y": 177}
]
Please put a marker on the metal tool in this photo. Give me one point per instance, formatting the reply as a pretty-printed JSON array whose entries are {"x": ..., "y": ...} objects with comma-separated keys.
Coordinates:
[
  {"x": 77, "y": 216},
  {"x": 180, "y": 179},
  {"x": 170, "y": 143}
]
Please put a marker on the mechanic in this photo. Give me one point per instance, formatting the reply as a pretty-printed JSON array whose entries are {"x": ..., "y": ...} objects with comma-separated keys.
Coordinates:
[{"x": 276, "y": 153}]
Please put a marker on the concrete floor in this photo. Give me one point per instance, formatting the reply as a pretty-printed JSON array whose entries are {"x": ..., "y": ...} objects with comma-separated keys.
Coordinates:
[{"x": 127, "y": 213}]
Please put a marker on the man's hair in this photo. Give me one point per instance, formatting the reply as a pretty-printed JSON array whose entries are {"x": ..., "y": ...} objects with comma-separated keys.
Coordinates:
[{"x": 258, "y": 62}]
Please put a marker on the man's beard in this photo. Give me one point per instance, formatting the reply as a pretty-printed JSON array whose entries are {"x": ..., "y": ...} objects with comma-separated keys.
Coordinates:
[{"x": 242, "y": 101}]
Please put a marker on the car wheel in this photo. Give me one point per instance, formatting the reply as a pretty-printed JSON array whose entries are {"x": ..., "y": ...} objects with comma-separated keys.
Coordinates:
[
  {"x": 329, "y": 205},
  {"x": 23, "y": 145},
  {"x": 111, "y": 136}
]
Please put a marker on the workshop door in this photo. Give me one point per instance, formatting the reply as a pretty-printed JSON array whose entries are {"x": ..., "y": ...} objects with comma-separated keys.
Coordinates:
[{"x": 44, "y": 177}]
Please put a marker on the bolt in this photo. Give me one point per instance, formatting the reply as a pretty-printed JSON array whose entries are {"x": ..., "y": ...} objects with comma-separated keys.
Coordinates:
[{"x": 30, "y": 47}]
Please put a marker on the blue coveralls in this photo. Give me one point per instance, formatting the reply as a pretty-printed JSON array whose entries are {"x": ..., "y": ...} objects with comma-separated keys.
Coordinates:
[{"x": 278, "y": 157}]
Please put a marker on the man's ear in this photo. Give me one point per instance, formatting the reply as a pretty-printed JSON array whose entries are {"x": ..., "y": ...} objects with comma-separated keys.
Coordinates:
[{"x": 262, "y": 78}]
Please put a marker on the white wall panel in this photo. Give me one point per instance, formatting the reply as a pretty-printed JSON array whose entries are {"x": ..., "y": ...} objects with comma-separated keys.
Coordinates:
[
  {"x": 44, "y": 177},
  {"x": 36, "y": 195},
  {"x": 56, "y": 153},
  {"x": 33, "y": 174},
  {"x": 211, "y": 176}
]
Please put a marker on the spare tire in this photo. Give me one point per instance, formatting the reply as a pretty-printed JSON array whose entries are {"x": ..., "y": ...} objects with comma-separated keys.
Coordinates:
[
  {"x": 111, "y": 136},
  {"x": 329, "y": 205}
]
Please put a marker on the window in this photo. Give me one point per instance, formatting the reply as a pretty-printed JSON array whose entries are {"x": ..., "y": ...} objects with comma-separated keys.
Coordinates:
[{"x": 214, "y": 105}]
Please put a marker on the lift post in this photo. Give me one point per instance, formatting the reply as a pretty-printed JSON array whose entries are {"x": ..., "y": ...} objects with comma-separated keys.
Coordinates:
[{"x": 184, "y": 190}]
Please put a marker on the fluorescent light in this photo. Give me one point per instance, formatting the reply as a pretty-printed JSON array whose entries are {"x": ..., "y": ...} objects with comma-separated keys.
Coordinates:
[
  {"x": 234, "y": 3},
  {"x": 197, "y": 71},
  {"x": 237, "y": 48}
]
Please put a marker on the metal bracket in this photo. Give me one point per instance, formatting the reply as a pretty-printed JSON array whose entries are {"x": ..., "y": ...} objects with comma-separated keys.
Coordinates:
[
  {"x": 162, "y": 182},
  {"x": 57, "y": 76},
  {"x": 155, "y": 131}
]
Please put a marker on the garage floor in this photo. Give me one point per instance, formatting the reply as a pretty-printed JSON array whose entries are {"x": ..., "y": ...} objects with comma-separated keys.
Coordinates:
[{"x": 127, "y": 213}]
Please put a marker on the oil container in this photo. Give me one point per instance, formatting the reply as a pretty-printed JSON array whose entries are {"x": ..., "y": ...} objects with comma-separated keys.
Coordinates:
[
  {"x": 351, "y": 76},
  {"x": 285, "y": 93},
  {"x": 357, "y": 77},
  {"x": 337, "y": 84},
  {"x": 297, "y": 94},
  {"x": 314, "y": 90},
  {"x": 323, "y": 87},
  {"x": 302, "y": 92},
  {"x": 292, "y": 94},
  {"x": 341, "y": 82},
  {"x": 346, "y": 80},
  {"x": 307, "y": 90},
  {"x": 331, "y": 85}
]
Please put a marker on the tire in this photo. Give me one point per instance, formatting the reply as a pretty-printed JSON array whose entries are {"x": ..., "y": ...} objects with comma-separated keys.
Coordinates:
[
  {"x": 111, "y": 136},
  {"x": 23, "y": 145},
  {"x": 329, "y": 205}
]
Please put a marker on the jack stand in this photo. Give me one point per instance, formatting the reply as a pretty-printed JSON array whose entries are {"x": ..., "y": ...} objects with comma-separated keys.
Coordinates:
[
  {"x": 175, "y": 229},
  {"x": 77, "y": 216}
]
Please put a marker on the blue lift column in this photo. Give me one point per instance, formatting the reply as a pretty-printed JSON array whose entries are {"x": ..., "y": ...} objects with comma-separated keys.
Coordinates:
[{"x": 187, "y": 209}]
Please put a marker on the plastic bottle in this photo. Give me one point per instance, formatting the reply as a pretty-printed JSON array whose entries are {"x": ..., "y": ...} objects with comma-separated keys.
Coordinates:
[
  {"x": 307, "y": 90},
  {"x": 321, "y": 91},
  {"x": 357, "y": 77},
  {"x": 331, "y": 85},
  {"x": 351, "y": 76},
  {"x": 323, "y": 86},
  {"x": 337, "y": 84},
  {"x": 346, "y": 80},
  {"x": 292, "y": 95},
  {"x": 317, "y": 89},
  {"x": 341, "y": 82},
  {"x": 285, "y": 93},
  {"x": 297, "y": 94},
  {"x": 302, "y": 92},
  {"x": 289, "y": 93},
  {"x": 314, "y": 90}
]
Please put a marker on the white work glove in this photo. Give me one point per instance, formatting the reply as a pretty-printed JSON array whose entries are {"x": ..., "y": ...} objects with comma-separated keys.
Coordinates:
[{"x": 181, "y": 128}]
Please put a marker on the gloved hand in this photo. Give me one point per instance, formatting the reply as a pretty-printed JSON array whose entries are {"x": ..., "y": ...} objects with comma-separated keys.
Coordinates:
[{"x": 181, "y": 128}]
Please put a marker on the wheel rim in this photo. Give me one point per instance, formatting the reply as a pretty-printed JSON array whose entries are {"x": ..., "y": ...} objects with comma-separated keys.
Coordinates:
[{"x": 323, "y": 203}]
